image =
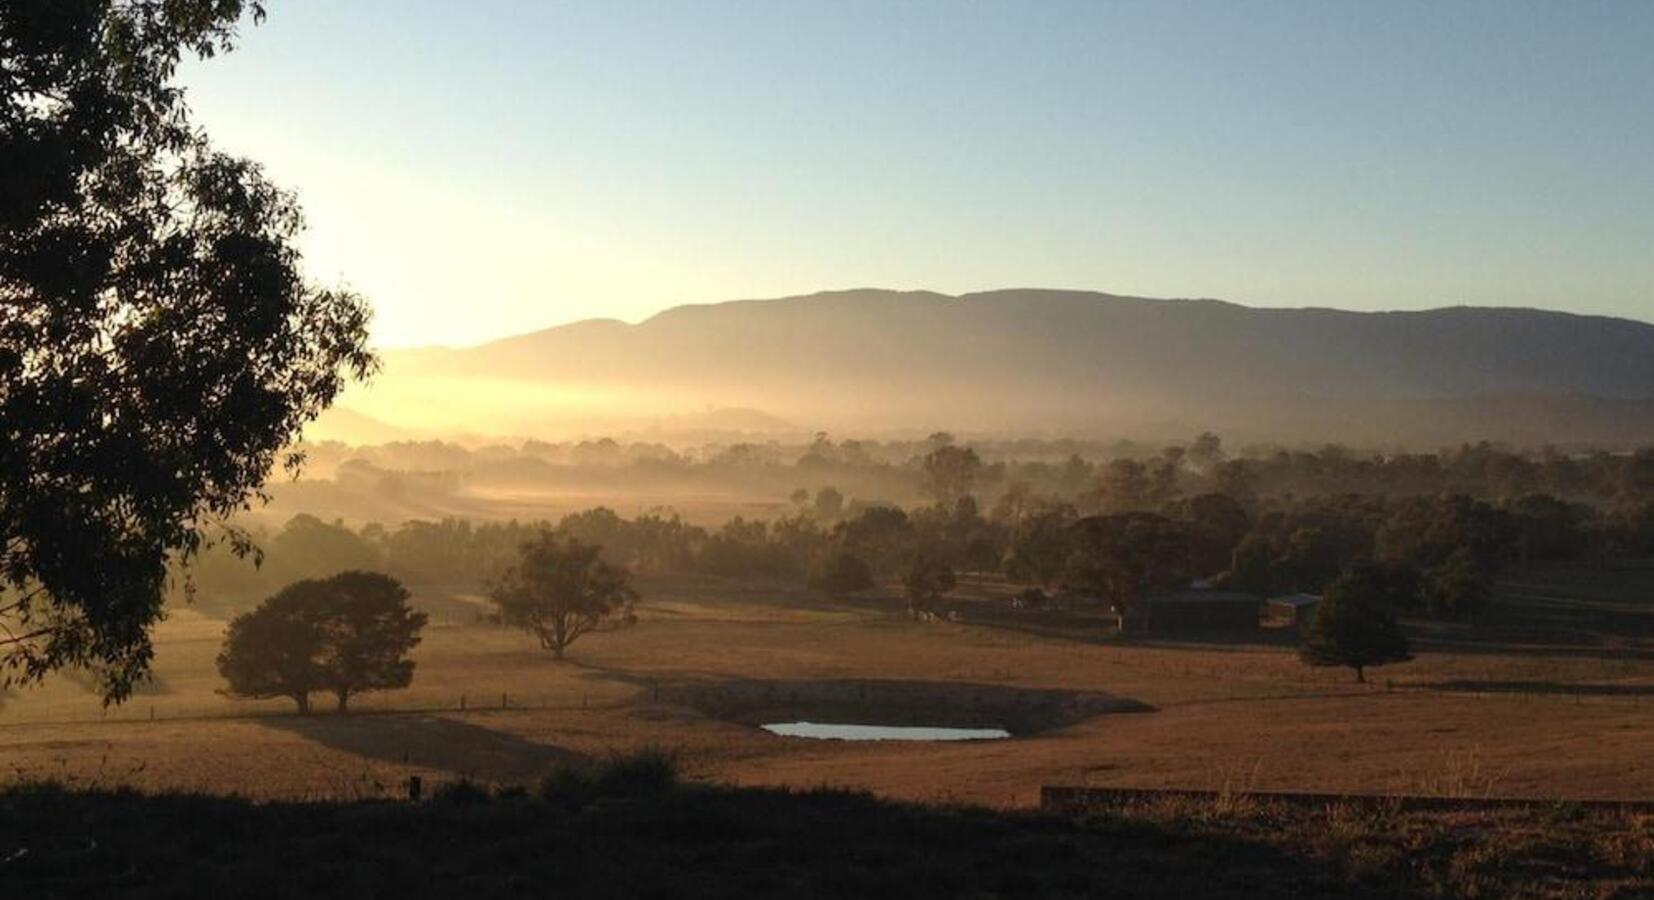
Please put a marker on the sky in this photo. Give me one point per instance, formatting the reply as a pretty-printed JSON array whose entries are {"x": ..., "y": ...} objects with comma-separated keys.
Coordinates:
[{"x": 491, "y": 167}]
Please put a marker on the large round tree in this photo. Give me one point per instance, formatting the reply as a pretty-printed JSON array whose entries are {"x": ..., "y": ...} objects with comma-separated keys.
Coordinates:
[
  {"x": 158, "y": 345},
  {"x": 346, "y": 635}
]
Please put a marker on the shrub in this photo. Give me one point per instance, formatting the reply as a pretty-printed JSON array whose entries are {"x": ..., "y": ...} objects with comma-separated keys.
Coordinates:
[{"x": 650, "y": 770}]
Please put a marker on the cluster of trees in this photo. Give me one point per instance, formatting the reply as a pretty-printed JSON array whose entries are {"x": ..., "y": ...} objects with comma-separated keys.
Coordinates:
[
  {"x": 1273, "y": 519},
  {"x": 1095, "y": 477},
  {"x": 1063, "y": 467},
  {"x": 1134, "y": 531},
  {"x": 343, "y": 635},
  {"x": 1375, "y": 558},
  {"x": 1451, "y": 545},
  {"x": 352, "y": 632}
]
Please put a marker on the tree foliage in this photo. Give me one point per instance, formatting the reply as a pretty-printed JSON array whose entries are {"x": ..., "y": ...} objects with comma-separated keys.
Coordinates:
[
  {"x": 829, "y": 503},
  {"x": 924, "y": 583},
  {"x": 843, "y": 574},
  {"x": 370, "y": 630},
  {"x": 158, "y": 345},
  {"x": 561, "y": 589},
  {"x": 880, "y": 535},
  {"x": 1457, "y": 588},
  {"x": 1119, "y": 558},
  {"x": 276, "y": 650},
  {"x": 950, "y": 472},
  {"x": 1040, "y": 545},
  {"x": 1356, "y": 624},
  {"x": 346, "y": 635}
]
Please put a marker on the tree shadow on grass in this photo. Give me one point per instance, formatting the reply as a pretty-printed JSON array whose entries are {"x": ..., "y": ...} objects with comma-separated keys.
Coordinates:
[{"x": 432, "y": 742}]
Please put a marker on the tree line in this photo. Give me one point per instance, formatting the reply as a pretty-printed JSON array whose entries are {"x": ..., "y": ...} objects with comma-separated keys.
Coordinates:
[
  {"x": 1135, "y": 531},
  {"x": 351, "y": 633},
  {"x": 1095, "y": 476},
  {"x": 1449, "y": 546}
]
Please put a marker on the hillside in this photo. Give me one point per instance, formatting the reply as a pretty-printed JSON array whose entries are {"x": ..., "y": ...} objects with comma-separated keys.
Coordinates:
[{"x": 1044, "y": 361}]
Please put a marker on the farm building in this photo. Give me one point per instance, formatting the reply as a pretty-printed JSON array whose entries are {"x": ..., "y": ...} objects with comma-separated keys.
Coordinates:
[
  {"x": 1291, "y": 609},
  {"x": 1190, "y": 611}
]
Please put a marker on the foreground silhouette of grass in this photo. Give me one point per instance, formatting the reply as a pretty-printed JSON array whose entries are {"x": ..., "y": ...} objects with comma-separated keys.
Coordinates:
[{"x": 628, "y": 828}]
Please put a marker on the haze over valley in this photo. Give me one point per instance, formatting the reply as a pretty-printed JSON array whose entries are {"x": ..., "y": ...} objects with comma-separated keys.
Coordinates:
[
  {"x": 439, "y": 457},
  {"x": 887, "y": 363}
]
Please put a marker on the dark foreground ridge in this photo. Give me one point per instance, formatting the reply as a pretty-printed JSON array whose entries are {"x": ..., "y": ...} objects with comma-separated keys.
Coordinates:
[{"x": 630, "y": 830}]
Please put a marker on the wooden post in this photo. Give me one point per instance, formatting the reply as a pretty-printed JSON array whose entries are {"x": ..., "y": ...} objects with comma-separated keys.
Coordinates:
[{"x": 415, "y": 787}]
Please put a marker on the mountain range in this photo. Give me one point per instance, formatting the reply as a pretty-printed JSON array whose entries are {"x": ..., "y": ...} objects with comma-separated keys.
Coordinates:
[{"x": 1072, "y": 362}]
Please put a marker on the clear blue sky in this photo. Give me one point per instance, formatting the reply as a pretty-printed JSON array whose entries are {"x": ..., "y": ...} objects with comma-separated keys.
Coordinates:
[{"x": 485, "y": 168}]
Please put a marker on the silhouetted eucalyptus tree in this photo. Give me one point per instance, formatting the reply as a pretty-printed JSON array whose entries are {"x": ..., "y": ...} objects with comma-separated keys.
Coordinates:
[
  {"x": 158, "y": 345},
  {"x": 562, "y": 589}
]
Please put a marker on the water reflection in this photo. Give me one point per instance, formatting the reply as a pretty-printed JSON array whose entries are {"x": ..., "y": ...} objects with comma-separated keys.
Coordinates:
[{"x": 849, "y": 731}]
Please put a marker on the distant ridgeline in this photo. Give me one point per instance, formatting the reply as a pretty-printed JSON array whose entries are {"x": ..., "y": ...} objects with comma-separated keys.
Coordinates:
[{"x": 1047, "y": 362}]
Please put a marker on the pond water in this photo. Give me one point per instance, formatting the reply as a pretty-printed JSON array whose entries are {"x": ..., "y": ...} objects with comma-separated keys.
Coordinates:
[{"x": 849, "y": 731}]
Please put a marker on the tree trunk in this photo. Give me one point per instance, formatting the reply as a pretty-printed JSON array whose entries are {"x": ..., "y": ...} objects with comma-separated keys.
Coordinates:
[
  {"x": 303, "y": 700},
  {"x": 557, "y": 651},
  {"x": 1360, "y": 675},
  {"x": 344, "y": 702}
]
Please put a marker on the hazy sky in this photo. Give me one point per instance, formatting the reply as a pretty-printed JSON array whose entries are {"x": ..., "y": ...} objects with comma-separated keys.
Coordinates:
[{"x": 485, "y": 168}]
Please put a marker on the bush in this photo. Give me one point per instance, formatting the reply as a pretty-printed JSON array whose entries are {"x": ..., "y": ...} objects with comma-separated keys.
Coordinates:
[
  {"x": 650, "y": 770},
  {"x": 463, "y": 792},
  {"x": 566, "y": 784}
]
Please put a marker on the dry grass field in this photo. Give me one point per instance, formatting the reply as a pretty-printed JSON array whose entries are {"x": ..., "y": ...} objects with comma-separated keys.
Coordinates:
[{"x": 709, "y": 659}]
